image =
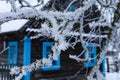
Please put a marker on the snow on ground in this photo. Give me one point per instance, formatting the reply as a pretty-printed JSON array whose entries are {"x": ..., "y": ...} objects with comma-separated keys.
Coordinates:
[{"x": 113, "y": 76}]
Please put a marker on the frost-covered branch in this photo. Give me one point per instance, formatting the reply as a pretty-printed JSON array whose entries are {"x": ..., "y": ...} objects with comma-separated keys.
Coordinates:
[
  {"x": 86, "y": 24},
  {"x": 37, "y": 65},
  {"x": 23, "y": 13},
  {"x": 104, "y": 51}
]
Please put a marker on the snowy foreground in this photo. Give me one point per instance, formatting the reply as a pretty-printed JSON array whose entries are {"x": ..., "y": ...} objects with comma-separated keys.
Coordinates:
[
  {"x": 113, "y": 76},
  {"x": 109, "y": 76}
]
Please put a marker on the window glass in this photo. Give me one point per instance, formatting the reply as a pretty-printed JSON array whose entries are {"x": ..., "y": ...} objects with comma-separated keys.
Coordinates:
[
  {"x": 46, "y": 51},
  {"x": 12, "y": 52},
  {"x": 92, "y": 54}
]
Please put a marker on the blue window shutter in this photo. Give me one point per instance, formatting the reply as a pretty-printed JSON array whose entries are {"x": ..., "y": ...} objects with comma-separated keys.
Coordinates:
[
  {"x": 27, "y": 55},
  {"x": 92, "y": 54},
  {"x": 13, "y": 52},
  {"x": 46, "y": 50}
]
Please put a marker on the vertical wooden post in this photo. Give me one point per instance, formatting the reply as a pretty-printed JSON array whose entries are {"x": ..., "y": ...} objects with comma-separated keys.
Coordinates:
[
  {"x": 27, "y": 54},
  {"x": 107, "y": 61},
  {"x": 103, "y": 66}
]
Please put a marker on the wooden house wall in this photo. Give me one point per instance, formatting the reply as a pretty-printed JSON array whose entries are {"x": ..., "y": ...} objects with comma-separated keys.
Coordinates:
[
  {"x": 68, "y": 66},
  {"x": 36, "y": 50},
  {"x": 20, "y": 53},
  {"x": 3, "y": 56},
  {"x": 11, "y": 38}
]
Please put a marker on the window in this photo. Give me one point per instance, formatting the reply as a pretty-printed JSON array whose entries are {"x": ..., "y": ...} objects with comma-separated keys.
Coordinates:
[
  {"x": 12, "y": 53},
  {"x": 72, "y": 8},
  {"x": 46, "y": 50},
  {"x": 92, "y": 54}
]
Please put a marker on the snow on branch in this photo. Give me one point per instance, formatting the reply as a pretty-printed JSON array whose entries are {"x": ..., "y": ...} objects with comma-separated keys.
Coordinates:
[
  {"x": 37, "y": 65},
  {"x": 38, "y": 14},
  {"x": 90, "y": 18},
  {"x": 112, "y": 42}
]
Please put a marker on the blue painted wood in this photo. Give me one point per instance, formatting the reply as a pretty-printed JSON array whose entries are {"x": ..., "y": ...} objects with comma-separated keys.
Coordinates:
[
  {"x": 103, "y": 43},
  {"x": 103, "y": 66},
  {"x": 72, "y": 8},
  {"x": 46, "y": 50},
  {"x": 27, "y": 55},
  {"x": 92, "y": 54},
  {"x": 13, "y": 52}
]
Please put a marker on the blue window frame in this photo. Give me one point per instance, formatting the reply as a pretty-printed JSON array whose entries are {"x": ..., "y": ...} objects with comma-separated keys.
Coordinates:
[
  {"x": 92, "y": 54},
  {"x": 103, "y": 43},
  {"x": 46, "y": 50},
  {"x": 103, "y": 67},
  {"x": 72, "y": 8},
  {"x": 12, "y": 52}
]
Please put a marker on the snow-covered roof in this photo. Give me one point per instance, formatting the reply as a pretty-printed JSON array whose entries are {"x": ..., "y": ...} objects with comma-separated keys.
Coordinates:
[{"x": 13, "y": 25}]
